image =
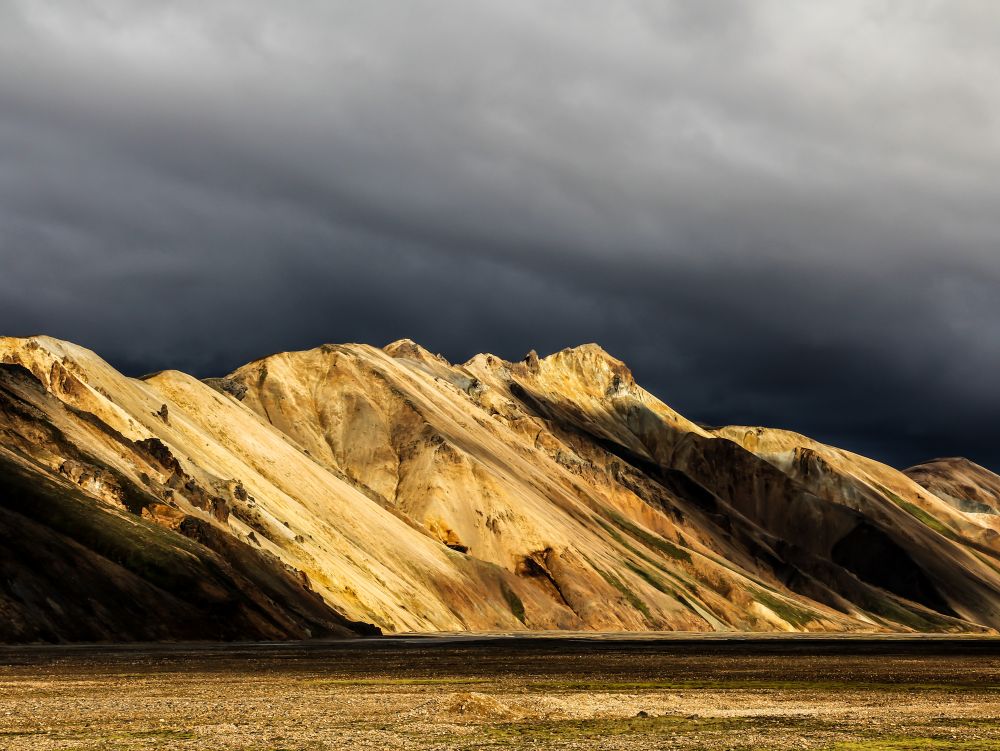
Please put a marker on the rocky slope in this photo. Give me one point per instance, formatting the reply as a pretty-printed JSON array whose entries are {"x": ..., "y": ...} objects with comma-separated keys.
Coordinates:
[
  {"x": 963, "y": 485},
  {"x": 314, "y": 492}
]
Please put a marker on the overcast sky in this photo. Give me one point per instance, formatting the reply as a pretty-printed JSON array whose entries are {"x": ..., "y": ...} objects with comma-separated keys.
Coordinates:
[{"x": 781, "y": 213}]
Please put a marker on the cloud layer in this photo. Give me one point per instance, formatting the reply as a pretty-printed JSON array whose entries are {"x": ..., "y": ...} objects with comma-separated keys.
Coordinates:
[{"x": 778, "y": 213}]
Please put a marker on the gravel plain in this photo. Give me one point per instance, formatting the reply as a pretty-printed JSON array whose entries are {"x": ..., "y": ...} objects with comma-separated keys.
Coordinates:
[{"x": 500, "y": 693}]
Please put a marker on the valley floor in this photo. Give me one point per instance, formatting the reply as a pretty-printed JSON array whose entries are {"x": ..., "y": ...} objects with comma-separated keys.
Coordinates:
[{"x": 849, "y": 694}]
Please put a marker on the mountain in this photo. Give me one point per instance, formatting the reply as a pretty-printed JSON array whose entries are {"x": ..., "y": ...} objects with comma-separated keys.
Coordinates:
[
  {"x": 348, "y": 488},
  {"x": 965, "y": 486}
]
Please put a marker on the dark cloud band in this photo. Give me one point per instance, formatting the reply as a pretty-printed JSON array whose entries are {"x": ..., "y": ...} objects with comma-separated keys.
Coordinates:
[{"x": 777, "y": 214}]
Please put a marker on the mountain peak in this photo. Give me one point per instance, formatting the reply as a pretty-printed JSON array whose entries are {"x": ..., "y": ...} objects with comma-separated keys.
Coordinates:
[
  {"x": 954, "y": 461},
  {"x": 592, "y": 366},
  {"x": 589, "y": 354},
  {"x": 407, "y": 349},
  {"x": 586, "y": 349},
  {"x": 961, "y": 483}
]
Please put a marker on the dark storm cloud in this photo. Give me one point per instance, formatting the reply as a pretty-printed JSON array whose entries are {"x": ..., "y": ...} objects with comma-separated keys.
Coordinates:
[{"x": 777, "y": 213}]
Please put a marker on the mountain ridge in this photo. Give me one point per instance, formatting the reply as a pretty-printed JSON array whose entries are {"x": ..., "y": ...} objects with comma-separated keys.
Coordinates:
[{"x": 403, "y": 491}]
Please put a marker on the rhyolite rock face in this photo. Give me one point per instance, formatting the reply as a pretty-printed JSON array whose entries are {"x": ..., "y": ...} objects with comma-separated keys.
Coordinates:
[{"x": 314, "y": 492}]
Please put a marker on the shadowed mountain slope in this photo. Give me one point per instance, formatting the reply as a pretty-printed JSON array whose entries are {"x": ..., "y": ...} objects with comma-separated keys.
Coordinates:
[
  {"x": 388, "y": 486},
  {"x": 79, "y": 562}
]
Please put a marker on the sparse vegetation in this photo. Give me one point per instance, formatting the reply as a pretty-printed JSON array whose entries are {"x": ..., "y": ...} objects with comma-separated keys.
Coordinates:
[
  {"x": 924, "y": 517},
  {"x": 628, "y": 594},
  {"x": 784, "y": 610},
  {"x": 895, "y": 612},
  {"x": 440, "y": 695},
  {"x": 513, "y": 601},
  {"x": 652, "y": 579},
  {"x": 927, "y": 519},
  {"x": 599, "y": 728},
  {"x": 650, "y": 540}
]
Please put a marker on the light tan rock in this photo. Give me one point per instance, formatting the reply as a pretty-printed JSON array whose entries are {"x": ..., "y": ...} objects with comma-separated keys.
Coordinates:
[{"x": 553, "y": 493}]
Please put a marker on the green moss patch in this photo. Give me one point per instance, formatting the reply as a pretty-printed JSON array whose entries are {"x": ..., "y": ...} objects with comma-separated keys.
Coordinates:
[
  {"x": 928, "y": 520},
  {"x": 922, "y": 516},
  {"x": 650, "y": 540},
  {"x": 513, "y": 601},
  {"x": 631, "y": 597},
  {"x": 784, "y": 610}
]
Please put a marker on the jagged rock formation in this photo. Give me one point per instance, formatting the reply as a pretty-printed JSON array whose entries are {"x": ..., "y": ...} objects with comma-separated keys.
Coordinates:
[{"x": 391, "y": 487}]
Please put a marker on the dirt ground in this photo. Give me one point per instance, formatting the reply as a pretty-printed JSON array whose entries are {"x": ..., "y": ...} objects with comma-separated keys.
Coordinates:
[{"x": 544, "y": 693}]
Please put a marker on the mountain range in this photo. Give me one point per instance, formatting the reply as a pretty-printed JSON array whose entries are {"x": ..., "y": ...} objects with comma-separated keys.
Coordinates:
[{"x": 351, "y": 489}]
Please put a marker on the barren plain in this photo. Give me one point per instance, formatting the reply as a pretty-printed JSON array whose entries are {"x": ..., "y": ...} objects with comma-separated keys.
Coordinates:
[{"x": 541, "y": 692}]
